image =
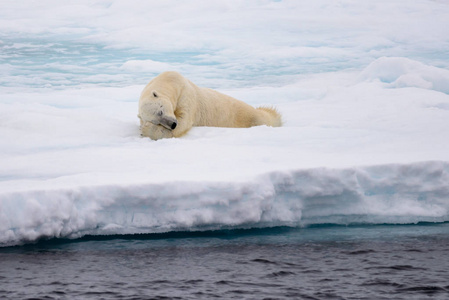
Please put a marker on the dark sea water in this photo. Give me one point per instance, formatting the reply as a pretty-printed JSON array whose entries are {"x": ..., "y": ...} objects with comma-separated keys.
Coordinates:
[{"x": 321, "y": 262}]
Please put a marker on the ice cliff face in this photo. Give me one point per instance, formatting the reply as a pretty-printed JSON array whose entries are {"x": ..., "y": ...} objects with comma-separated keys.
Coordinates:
[{"x": 394, "y": 194}]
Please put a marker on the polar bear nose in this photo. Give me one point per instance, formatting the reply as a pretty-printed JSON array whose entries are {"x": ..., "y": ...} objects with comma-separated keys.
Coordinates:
[{"x": 169, "y": 122}]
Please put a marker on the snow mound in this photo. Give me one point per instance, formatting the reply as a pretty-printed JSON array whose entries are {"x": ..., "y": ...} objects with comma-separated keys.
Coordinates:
[{"x": 399, "y": 72}]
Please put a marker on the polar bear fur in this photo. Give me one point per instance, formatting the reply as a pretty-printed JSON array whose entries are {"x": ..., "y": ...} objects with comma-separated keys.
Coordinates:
[{"x": 170, "y": 105}]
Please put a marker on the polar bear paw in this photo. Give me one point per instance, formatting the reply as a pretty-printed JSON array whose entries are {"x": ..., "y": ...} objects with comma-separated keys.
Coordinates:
[{"x": 155, "y": 132}]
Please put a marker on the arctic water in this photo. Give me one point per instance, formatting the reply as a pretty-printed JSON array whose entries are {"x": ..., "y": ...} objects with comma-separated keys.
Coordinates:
[
  {"x": 349, "y": 199},
  {"x": 321, "y": 262}
]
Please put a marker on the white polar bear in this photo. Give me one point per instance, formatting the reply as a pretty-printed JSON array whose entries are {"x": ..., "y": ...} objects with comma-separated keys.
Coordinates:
[{"x": 170, "y": 105}]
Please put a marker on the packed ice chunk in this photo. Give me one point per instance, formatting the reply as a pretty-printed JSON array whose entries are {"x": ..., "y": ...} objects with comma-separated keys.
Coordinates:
[{"x": 401, "y": 72}]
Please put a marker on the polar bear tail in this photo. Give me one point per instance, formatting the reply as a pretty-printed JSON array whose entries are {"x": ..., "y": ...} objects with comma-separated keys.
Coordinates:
[{"x": 270, "y": 116}]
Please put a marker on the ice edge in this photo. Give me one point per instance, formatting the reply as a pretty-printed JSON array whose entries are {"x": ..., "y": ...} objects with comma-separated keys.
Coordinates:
[{"x": 390, "y": 193}]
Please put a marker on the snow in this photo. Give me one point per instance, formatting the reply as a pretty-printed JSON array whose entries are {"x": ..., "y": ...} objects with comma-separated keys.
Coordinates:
[{"x": 363, "y": 89}]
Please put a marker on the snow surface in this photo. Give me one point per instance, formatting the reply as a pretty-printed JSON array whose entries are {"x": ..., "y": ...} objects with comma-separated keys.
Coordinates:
[{"x": 363, "y": 89}]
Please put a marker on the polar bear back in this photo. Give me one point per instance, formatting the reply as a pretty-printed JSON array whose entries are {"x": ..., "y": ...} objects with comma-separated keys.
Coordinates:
[{"x": 220, "y": 110}]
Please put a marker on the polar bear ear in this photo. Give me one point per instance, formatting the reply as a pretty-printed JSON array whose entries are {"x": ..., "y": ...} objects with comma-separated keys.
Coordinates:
[{"x": 155, "y": 94}]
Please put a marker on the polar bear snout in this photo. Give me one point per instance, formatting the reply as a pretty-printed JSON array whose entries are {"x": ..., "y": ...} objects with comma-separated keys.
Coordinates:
[{"x": 169, "y": 122}]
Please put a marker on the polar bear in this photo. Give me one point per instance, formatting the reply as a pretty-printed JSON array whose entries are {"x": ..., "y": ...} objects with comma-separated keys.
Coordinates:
[{"x": 170, "y": 105}]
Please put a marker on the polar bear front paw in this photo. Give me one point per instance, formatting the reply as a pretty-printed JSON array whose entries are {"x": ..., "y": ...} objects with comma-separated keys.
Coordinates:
[{"x": 155, "y": 132}]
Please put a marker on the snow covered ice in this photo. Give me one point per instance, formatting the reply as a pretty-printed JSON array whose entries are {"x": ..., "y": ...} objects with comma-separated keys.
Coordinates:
[{"x": 363, "y": 89}]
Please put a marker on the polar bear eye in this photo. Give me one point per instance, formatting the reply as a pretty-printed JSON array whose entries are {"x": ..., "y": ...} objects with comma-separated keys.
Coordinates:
[{"x": 154, "y": 94}]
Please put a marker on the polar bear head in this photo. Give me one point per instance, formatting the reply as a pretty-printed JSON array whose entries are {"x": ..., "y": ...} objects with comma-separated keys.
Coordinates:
[{"x": 157, "y": 109}]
